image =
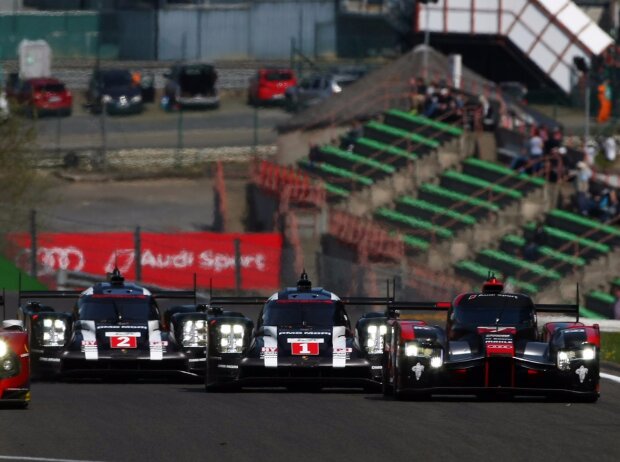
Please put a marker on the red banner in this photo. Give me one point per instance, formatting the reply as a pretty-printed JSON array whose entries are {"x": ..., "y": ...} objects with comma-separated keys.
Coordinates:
[{"x": 168, "y": 260}]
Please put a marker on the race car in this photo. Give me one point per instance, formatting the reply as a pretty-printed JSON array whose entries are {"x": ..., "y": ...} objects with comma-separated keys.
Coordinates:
[
  {"x": 491, "y": 345},
  {"x": 14, "y": 363},
  {"x": 115, "y": 327},
  {"x": 302, "y": 338}
]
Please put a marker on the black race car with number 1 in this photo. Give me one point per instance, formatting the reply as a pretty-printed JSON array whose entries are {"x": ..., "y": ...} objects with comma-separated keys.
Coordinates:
[
  {"x": 491, "y": 344},
  {"x": 303, "y": 336}
]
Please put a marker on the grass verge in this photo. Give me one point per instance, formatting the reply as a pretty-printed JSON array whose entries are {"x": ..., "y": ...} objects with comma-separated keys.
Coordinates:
[{"x": 610, "y": 346}]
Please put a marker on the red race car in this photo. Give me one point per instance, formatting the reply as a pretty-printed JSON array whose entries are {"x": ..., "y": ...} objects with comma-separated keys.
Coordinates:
[
  {"x": 14, "y": 363},
  {"x": 491, "y": 345},
  {"x": 269, "y": 85},
  {"x": 42, "y": 96}
]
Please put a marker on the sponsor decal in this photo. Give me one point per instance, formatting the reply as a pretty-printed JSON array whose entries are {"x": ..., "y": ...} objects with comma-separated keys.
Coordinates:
[
  {"x": 418, "y": 369},
  {"x": 269, "y": 349},
  {"x": 376, "y": 367},
  {"x": 166, "y": 258},
  {"x": 305, "y": 340},
  {"x": 471, "y": 297},
  {"x": 123, "y": 334},
  {"x": 582, "y": 372},
  {"x": 228, "y": 366},
  {"x": 122, "y": 327},
  {"x": 298, "y": 332}
]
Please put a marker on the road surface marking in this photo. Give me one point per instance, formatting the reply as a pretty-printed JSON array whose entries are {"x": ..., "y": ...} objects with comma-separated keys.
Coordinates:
[{"x": 611, "y": 377}]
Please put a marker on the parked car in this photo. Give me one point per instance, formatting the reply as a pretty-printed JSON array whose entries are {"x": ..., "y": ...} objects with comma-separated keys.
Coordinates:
[
  {"x": 40, "y": 96},
  {"x": 191, "y": 85},
  {"x": 114, "y": 90},
  {"x": 316, "y": 88},
  {"x": 269, "y": 85}
]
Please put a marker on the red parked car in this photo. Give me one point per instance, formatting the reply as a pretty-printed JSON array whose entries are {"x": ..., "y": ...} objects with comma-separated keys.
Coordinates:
[
  {"x": 41, "y": 96},
  {"x": 269, "y": 85},
  {"x": 14, "y": 364}
]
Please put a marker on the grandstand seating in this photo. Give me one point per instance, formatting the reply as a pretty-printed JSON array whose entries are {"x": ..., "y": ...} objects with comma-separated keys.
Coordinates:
[
  {"x": 459, "y": 201},
  {"x": 601, "y": 303},
  {"x": 384, "y": 148},
  {"x": 565, "y": 248}
]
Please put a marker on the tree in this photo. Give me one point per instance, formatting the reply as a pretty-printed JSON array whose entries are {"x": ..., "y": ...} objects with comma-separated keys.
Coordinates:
[{"x": 22, "y": 186}]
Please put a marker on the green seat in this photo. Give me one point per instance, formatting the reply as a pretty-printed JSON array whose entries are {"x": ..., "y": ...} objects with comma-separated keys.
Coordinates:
[
  {"x": 601, "y": 303},
  {"x": 353, "y": 180},
  {"x": 432, "y": 212},
  {"x": 473, "y": 206},
  {"x": 421, "y": 120},
  {"x": 404, "y": 134},
  {"x": 348, "y": 160},
  {"x": 336, "y": 190},
  {"x": 559, "y": 238},
  {"x": 480, "y": 272},
  {"x": 471, "y": 185},
  {"x": 426, "y": 228},
  {"x": 508, "y": 263},
  {"x": 507, "y": 177},
  {"x": 382, "y": 150},
  {"x": 512, "y": 243},
  {"x": 578, "y": 224}
]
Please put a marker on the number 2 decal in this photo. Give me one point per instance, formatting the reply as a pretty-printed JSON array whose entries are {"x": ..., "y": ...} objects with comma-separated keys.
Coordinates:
[{"x": 123, "y": 342}]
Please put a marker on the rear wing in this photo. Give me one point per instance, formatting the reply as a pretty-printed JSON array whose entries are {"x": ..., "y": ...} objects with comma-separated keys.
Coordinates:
[
  {"x": 394, "y": 308},
  {"x": 2, "y": 298},
  {"x": 558, "y": 308},
  {"x": 561, "y": 308}
]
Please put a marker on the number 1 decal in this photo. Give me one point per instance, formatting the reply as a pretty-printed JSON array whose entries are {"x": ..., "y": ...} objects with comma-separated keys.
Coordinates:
[{"x": 305, "y": 348}]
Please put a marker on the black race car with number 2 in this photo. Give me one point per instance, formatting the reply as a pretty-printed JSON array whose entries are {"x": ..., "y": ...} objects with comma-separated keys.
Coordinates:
[
  {"x": 115, "y": 327},
  {"x": 491, "y": 344}
]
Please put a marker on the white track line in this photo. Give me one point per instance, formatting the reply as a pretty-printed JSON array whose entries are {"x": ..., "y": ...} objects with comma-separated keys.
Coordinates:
[
  {"x": 42, "y": 459},
  {"x": 613, "y": 378}
]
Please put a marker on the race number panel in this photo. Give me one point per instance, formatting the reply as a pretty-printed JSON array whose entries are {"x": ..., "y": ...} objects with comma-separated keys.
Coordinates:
[
  {"x": 305, "y": 348},
  {"x": 123, "y": 341}
]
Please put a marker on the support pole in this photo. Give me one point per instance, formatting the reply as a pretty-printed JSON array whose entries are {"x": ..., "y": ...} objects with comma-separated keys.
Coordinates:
[
  {"x": 137, "y": 240},
  {"x": 33, "y": 243}
]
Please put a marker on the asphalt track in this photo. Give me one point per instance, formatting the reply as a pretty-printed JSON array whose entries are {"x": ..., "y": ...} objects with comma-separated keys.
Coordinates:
[{"x": 180, "y": 421}]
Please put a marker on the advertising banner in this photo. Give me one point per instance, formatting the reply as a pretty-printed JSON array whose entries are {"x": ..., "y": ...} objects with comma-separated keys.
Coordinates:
[{"x": 167, "y": 260}]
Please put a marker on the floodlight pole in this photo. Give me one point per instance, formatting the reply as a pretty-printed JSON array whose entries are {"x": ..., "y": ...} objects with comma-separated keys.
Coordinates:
[
  {"x": 427, "y": 41},
  {"x": 586, "y": 125}
]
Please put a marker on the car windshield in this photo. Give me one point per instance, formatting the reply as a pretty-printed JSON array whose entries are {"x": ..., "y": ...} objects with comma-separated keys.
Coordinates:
[
  {"x": 300, "y": 313},
  {"x": 52, "y": 87},
  {"x": 495, "y": 309},
  {"x": 117, "y": 309},
  {"x": 116, "y": 79},
  {"x": 278, "y": 75}
]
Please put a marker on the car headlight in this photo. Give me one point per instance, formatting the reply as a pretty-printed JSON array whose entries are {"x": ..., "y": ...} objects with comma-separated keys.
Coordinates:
[
  {"x": 437, "y": 359},
  {"x": 54, "y": 331},
  {"x": 136, "y": 99},
  {"x": 4, "y": 348},
  {"x": 411, "y": 349},
  {"x": 106, "y": 98},
  {"x": 586, "y": 353},
  {"x": 194, "y": 333},
  {"x": 564, "y": 360},
  {"x": 375, "y": 338},
  {"x": 231, "y": 338}
]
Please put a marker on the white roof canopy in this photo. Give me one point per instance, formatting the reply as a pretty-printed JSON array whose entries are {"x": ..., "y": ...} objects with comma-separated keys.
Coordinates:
[{"x": 549, "y": 32}]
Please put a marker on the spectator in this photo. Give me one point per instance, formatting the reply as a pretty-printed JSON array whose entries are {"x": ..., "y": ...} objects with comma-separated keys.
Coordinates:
[
  {"x": 554, "y": 140},
  {"x": 608, "y": 206},
  {"x": 610, "y": 147},
  {"x": 604, "y": 99},
  {"x": 348, "y": 140},
  {"x": 582, "y": 188},
  {"x": 418, "y": 94},
  {"x": 591, "y": 151}
]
